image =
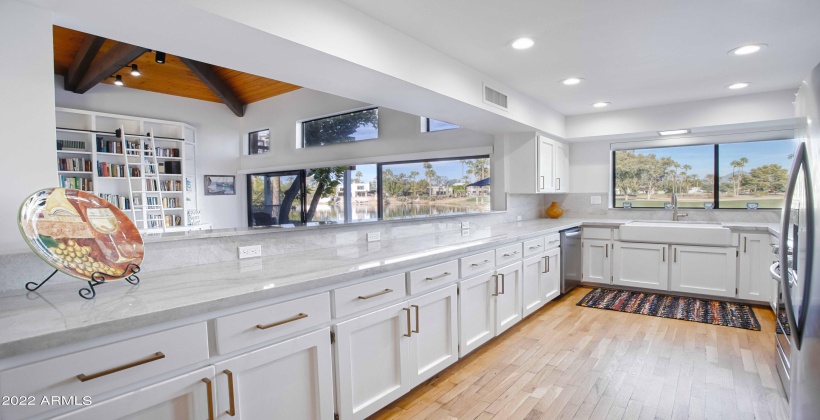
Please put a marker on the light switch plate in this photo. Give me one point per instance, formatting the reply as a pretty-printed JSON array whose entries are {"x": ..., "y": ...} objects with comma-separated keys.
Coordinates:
[
  {"x": 374, "y": 236},
  {"x": 465, "y": 225},
  {"x": 595, "y": 199}
]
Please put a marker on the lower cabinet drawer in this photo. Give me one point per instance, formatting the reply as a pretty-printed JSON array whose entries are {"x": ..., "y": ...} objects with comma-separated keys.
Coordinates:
[
  {"x": 534, "y": 246},
  {"x": 431, "y": 277},
  {"x": 102, "y": 369},
  {"x": 237, "y": 331},
  {"x": 477, "y": 263},
  {"x": 553, "y": 240},
  {"x": 370, "y": 294},
  {"x": 509, "y": 253}
]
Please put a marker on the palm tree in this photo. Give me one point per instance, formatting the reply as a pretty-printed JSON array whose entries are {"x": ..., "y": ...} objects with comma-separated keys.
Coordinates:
[{"x": 737, "y": 172}]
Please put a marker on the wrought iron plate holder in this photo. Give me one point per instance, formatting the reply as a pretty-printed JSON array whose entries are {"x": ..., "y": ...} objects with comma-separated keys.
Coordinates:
[{"x": 97, "y": 278}]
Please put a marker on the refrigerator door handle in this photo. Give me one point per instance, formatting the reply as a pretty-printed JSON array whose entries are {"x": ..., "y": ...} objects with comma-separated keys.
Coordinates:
[{"x": 774, "y": 271}]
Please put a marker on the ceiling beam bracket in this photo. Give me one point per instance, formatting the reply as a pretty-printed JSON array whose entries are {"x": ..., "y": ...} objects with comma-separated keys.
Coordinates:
[{"x": 208, "y": 76}]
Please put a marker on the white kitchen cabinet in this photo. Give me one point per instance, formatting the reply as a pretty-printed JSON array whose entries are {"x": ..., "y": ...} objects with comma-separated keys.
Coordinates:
[
  {"x": 372, "y": 360},
  {"x": 434, "y": 340},
  {"x": 184, "y": 397},
  {"x": 508, "y": 297},
  {"x": 704, "y": 270},
  {"x": 535, "y": 163},
  {"x": 531, "y": 278},
  {"x": 561, "y": 167},
  {"x": 754, "y": 280},
  {"x": 551, "y": 275},
  {"x": 476, "y": 312},
  {"x": 289, "y": 380},
  {"x": 597, "y": 266},
  {"x": 640, "y": 265}
]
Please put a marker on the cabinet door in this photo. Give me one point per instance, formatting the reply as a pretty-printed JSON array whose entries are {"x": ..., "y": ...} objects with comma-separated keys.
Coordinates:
[
  {"x": 508, "y": 300},
  {"x": 597, "y": 266},
  {"x": 372, "y": 360},
  {"x": 531, "y": 279},
  {"x": 546, "y": 164},
  {"x": 551, "y": 275},
  {"x": 434, "y": 341},
  {"x": 640, "y": 265},
  {"x": 182, "y": 397},
  {"x": 704, "y": 270},
  {"x": 289, "y": 380},
  {"x": 476, "y": 312},
  {"x": 754, "y": 280},
  {"x": 561, "y": 167}
]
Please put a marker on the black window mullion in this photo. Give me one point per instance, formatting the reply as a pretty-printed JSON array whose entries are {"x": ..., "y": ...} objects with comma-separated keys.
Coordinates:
[
  {"x": 379, "y": 190},
  {"x": 716, "y": 179}
]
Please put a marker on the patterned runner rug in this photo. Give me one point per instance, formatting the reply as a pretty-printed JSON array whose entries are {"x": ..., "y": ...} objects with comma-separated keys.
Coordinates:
[{"x": 676, "y": 307}]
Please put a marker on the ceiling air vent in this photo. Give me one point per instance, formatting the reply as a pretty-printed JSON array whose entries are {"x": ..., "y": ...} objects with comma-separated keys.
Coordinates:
[{"x": 495, "y": 98}]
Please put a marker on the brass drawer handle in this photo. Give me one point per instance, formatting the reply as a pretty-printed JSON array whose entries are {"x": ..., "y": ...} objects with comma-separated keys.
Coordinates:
[
  {"x": 152, "y": 358},
  {"x": 552, "y": 242},
  {"x": 481, "y": 263},
  {"x": 512, "y": 253},
  {"x": 502, "y": 283},
  {"x": 418, "y": 329},
  {"x": 409, "y": 328},
  {"x": 445, "y": 274},
  {"x": 383, "y": 292},
  {"x": 210, "y": 390},
  {"x": 547, "y": 262},
  {"x": 278, "y": 323},
  {"x": 495, "y": 276},
  {"x": 232, "y": 409},
  {"x": 535, "y": 247}
]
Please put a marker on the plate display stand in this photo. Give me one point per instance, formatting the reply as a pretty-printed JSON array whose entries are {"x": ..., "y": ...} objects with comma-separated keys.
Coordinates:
[{"x": 97, "y": 278}]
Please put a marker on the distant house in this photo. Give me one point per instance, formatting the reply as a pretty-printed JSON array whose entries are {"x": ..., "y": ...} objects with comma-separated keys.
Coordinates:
[
  {"x": 695, "y": 190},
  {"x": 439, "y": 191},
  {"x": 357, "y": 189}
]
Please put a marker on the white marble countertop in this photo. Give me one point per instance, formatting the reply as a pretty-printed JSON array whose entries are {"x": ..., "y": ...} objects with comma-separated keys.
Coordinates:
[{"x": 56, "y": 315}]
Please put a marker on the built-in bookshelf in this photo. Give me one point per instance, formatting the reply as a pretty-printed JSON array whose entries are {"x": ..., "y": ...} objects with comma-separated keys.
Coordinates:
[{"x": 146, "y": 167}]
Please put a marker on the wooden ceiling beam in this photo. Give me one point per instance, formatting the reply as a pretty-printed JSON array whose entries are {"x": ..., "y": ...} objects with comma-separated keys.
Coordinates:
[
  {"x": 208, "y": 75},
  {"x": 109, "y": 63},
  {"x": 79, "y": 66}
]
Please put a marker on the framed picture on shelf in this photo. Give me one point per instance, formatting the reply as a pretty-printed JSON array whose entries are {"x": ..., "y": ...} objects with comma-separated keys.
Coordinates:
[{"x": 220, "y": 185}]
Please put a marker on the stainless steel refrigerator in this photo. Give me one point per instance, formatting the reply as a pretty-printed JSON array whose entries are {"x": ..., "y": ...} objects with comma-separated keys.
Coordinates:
[{"x": 798, "y": 329}]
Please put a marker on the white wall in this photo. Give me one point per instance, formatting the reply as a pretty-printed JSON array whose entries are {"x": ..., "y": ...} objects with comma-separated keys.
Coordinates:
[
  {"x": 589, "y": 167},
  {"x": 399, "y": 134},
  {"x": 218, "y": 148},
  {"x": 712, "y": 112},
  {"x": 28, "y": 161}
]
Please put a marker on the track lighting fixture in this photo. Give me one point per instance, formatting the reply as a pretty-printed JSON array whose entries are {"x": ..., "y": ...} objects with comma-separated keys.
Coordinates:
[
  {"x": 160, "y": 57},
  {"x": 135, "y": 71},
  {"x": 118, "y": 81}
]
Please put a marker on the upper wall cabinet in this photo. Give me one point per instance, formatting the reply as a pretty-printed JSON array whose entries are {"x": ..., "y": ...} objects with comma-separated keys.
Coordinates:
[{"x": 537, "y": 164}]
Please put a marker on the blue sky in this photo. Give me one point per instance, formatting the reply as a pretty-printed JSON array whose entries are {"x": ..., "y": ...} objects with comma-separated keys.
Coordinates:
[
  {"x": 450, "y": 169},
  {"x": 700, "y": 158}
]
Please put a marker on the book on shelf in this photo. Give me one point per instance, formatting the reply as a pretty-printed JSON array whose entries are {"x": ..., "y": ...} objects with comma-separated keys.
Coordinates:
[
  {"x": 171, "y": 220},
  {"x": 115, "y": 170},
  {"x": 120, "y": 201},
  {"x": 171, "y": 203},
  {"x": 109, "y": 146},
  {"x": 76, "y": 183},
  {"x": 67, "y": 145},
  {"x": 74, "y": 164},
  {"x": 166, "y": 152}
]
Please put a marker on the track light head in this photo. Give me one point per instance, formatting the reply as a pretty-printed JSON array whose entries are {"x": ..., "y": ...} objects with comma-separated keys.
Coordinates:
[
  {"x": 160, "y": 57},
  {"x": 135, "y": 71},
  {"x": 118, "y": 81}
]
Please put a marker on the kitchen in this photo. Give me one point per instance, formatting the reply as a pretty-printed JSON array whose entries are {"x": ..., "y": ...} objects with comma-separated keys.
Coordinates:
[{"x": 390, "y": 222}]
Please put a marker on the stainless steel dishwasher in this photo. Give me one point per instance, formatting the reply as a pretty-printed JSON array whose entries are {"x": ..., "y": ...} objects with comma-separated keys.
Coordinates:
[{"x": 570, "y": 259}]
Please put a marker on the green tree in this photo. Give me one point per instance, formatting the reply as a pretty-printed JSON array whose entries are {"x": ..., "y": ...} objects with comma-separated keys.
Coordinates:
[
  {"x": 737, "y": 173},
  {"x": 338, "y": 129},
  {"x": 358, "y": 177},
  {"x": 326, "y": 181},
  {"x": 628, "y": 173},
  {"x": 771, "y": 177}
]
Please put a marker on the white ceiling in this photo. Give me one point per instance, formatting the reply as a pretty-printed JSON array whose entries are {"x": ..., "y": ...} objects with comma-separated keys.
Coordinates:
[{"x": 633, "y": 53}]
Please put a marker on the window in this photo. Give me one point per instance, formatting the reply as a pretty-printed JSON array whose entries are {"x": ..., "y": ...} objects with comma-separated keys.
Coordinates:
[
  {"x": 434, "y": 187},
  {"x": 259, "y": 142},
  {"x": 342, "y": 128},
  {"x": 275, "y": 198},
  {"x": 436, "y": 125},
  {"x": 325, "y": 195},
  {"x": 364, "y": 185},
  {"x": 748, "y": 172}
]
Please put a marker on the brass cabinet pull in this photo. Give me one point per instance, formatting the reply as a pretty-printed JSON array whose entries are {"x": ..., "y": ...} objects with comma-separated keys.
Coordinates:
[
  {"x": 418, "y": 329},
  {"x": 542, "y": 182},
  {"x": 664, "y": 254},
  {"x": 210, "y": 389},
  {"x": 512, "y": 253},
  {"x": 409, "y": 328},
  {"x": 495, "y": 276},
  {"x": 383, "y": 292},
  {"x": 548, "y": 263},
  {"x": 606, "y": 251},
  {"x": 535, "y": 247},
  {"x": 152, "y": 358},
  {"x": 744, "y": 244},
  {"x": 545, "y": 262},
  {"x": 285, "y": 321},
  {"x": 552, "y": 242},
  {"x": 676, "y": 255},
  {"x": 502, "y": 283},
  {"x": 481, "y": 263},
  {"x": 559, "y": 183},
  {"x": 232, "y": 407},
  {"x": 445, "y": 274}
]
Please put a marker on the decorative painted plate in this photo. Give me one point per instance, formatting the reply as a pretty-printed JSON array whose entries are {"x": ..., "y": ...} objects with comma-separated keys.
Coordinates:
[{"x": 80, "y": 234}]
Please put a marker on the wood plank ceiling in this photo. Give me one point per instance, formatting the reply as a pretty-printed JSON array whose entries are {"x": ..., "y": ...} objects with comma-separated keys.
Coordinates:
[{"x": 172, "y": 78}]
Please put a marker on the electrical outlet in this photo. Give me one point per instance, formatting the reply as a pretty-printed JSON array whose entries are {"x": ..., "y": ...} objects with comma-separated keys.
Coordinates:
[
  {"x": 518, "y": 218},
  {"x": 595, "y": 199},
  {"x": 465, "y": 232},
  {"x": 251, "y": 251},
  {"x": 374, "y": 246},
  {"x": 465, "y": 225},
  {"x": 374, "y": 236}
]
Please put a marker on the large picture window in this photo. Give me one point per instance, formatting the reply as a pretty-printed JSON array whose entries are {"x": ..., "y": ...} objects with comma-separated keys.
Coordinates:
[
  {"x": 342, "y": 128},
  {"x": 749, "y": 172}
]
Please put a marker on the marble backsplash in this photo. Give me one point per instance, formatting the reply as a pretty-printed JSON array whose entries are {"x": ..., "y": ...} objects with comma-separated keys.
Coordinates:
[
  {"x": 19, "y": 268},
  {"x": 578, "y": 206}
]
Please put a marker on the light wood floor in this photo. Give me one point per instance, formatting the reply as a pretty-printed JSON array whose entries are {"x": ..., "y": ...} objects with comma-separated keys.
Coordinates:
[{"x": 566, "y": 361}]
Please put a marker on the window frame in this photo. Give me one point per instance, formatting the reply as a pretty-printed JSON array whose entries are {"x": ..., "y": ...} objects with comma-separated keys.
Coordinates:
[
  {"x": 251, "y": 147},
  {"x": 301, "y": 173},
  {"x": 428, "y": 130},
  {"x": 715, "y": 168},
  {"x": 369, "y": 108}
]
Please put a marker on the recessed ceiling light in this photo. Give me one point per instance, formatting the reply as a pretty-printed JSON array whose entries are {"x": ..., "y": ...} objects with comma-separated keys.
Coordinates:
[
  {"x": 600, "y": 104},
  {"x": 118, "y": 80},
  {"x": 572, "y": 81},
  {"x": 740, "y": 85},
  {"x": 747, "y": 49},
  {"x": 673, "y": 132},
  {"x": 523, "y": 43}
]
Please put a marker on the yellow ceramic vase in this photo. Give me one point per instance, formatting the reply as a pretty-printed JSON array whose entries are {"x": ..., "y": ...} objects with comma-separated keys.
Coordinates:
[{"x": 554, "y": 211}]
